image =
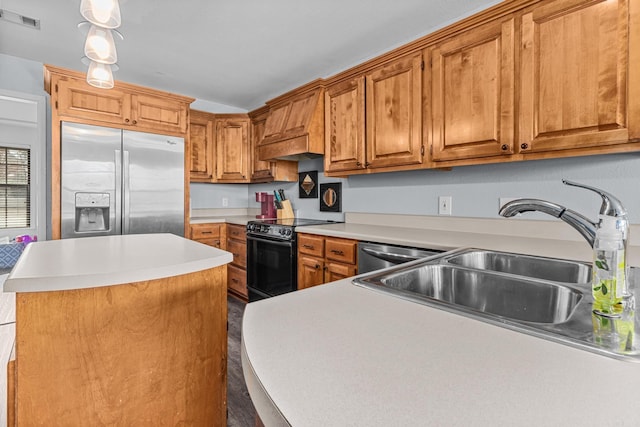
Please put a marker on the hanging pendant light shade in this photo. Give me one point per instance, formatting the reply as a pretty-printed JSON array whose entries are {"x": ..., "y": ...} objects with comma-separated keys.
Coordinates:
[
  {"x": 104, "y": 13},
  {"x": 100, "y": 75},
  {"x": 100, "y": 47}
]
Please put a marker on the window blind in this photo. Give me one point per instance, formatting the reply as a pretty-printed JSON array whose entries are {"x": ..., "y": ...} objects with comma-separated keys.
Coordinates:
[{"x": 15, "y": 173}]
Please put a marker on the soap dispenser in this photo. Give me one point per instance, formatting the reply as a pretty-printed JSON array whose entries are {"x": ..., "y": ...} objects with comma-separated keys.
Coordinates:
[{"x": 610, "y": 270}]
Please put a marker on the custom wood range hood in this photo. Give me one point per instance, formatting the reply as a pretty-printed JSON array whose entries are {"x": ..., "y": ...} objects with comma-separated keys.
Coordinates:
[{"x": 294, "y": 129}]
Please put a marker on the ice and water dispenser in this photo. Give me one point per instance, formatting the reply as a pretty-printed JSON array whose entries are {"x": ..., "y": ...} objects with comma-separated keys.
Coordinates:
[{"x": 92, "y": 212}]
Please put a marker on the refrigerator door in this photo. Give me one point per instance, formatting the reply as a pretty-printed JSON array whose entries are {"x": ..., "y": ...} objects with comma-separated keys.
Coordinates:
[
  {"x": 90, "y": 180},
  {"x": 153, "y": 183}
]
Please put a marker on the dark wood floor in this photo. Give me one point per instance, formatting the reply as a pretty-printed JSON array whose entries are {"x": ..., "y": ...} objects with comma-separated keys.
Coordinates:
[{"x": 241, "y": 410}]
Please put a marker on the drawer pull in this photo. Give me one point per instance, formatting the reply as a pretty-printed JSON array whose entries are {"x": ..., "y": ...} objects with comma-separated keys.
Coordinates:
[
  {"x": 308, "y": 246},
  {"x": 317, "y": 266},
  {"x": 206, "y": 232},
  {"x": 234, "y": 280},
  {"x": 337, "y": 252}
]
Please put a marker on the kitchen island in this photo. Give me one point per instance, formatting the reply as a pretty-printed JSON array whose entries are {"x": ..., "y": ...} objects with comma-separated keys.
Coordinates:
[{"x": 125, "y": 330}]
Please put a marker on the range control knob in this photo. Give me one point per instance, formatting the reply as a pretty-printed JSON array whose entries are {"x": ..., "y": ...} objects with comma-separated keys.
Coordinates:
[
  {"x": 287, "y": 232},
  {"x": 264, "y": 228}
]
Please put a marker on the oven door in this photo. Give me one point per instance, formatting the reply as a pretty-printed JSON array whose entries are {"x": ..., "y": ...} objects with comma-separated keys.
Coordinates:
[{"x": 271, "y": 267}]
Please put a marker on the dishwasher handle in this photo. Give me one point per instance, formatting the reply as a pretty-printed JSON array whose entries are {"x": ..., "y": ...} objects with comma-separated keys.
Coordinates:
[{"x": 390, "y": 257}]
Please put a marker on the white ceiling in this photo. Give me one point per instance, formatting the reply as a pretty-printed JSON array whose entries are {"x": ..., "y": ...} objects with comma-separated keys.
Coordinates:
[{"x": 239, "y": 53}]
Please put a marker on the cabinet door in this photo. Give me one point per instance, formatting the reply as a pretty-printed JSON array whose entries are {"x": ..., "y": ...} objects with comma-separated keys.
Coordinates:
[
  {"x": 394, "y": 114},
  {"x": 574, "y": 57},
  {"x": 77, "y": 99},
  {"x": 239, "y": 251},
  {"x": 232, "y": 150},
  {"x": 336, "y": 271},
  {"x": 158, "y": 114},
  {"x": 472, "y": 89},
  {"x": 260, "y": 170},
  {"x": 237, "y": 280},
  {"x": 343, "y": 250},
  {"x": 310, "y": 271},
  {"x": 344, "y": 126},
  {"x": 201, "y": 141},
  {"x": 311, "y": 245}
]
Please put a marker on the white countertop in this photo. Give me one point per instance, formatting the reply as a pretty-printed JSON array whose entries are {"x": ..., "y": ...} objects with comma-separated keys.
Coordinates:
[
  {"x": 111, "y": 260},
  {"x": 339, "y": 354},
  {"x": 231, "y": 219},
  {"x": 448, "y": 240}
]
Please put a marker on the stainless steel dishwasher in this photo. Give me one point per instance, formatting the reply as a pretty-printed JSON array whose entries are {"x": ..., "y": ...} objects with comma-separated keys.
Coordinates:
[{"x": 374, "y": 256}]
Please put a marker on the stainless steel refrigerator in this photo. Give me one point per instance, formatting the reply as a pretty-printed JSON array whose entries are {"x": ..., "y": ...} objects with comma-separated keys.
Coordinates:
[{"x": 117, "y": 181}]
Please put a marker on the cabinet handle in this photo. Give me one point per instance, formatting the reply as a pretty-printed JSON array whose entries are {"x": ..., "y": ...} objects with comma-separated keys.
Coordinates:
[
  {"x": 126, "y": 120},
  {"x": 235, "y": 255},
  {"x": 135, "y": 122},
  {"x": 337, "y": 252},
  {"x": 317, "y": 266},
  {"x": 367, "y": 164},
  {"x": 307, "y": 246},
  {"x": 234, "y": 280},
  {"x": 207, "y": 232},
  {"x": 524, "y": 146},
  {"x": 358, "y": 164},
  {"x": 504, "y": 147}
]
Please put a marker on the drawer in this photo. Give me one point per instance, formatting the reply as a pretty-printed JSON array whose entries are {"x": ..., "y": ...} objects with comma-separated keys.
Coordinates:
[
  {"x": 205, "y": 231},
  {"x": 311, "y": 245},
  {"x": 335, "y": 271},
  {"x": 239, "y": 251},
  {"x": 237, "y": 232},
  {"x": 215, "y": 242},
  {"x": 237, "y": 280},
  {"x": 343, "y": 250}
]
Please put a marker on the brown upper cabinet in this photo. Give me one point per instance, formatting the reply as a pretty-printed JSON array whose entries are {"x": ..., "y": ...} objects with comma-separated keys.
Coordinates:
[
  {"x": 473, "y": 93},
  {"x": 294, "y": 127},
  {"x": 268, "y": 170},
  {"x": 232, "y": 148},
  {"x": 576, "y": 74},
  {"x": 201, "y": 140},
  {"x": 125, "y": 106},
  {"x": 374, "y": 121}
]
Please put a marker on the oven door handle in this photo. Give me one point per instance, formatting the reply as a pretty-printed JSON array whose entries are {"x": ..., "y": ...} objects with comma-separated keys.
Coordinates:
[{"x": 286, "y": 243}]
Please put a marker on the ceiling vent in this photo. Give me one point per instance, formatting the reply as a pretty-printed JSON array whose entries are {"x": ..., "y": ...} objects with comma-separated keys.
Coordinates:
[{"x": 16, "y": 18}]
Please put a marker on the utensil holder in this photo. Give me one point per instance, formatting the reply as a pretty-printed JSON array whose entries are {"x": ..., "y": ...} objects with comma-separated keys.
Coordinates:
[{"x": 287, "y": 211}]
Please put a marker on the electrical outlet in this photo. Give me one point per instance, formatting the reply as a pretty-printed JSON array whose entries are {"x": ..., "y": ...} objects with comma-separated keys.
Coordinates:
[
  {"x": 444, "y": 205},
  {"x": 225, "y": 202}
]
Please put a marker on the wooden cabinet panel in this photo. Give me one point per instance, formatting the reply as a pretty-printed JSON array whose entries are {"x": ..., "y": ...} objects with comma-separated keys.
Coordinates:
[
  {"x": 343, "y": 250},
  {"x": 335, "y": 271},
  {"x": 301, "y": 110},
  {"x": 232, "y": 149},
  {"x": 77, "y": 99},
  {"x": 311, "y": 245},
  {"x": 237, "y": 232},
  {"x": 345, "y": 126},
  {"x": 472, "y": 91},
  {"x": 239, "y": 251},
  {"x": 274, "y": 125},
  {"x": 158, "y": 113},
  {"x": 205, "y": 231},
  {"x": 237, "y": 280},
  {"x": 201, "y": 140},
  {"x": 310, "y": 271},
  {"x": 574, "y": 65},
  {"x": 394, "y": 114},
  {"x": 268, "y": 171}
]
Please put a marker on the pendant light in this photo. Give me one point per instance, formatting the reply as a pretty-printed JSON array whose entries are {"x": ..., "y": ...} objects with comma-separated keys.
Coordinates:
[
  {"x": 104, "y": 13},
  {"x": 99, "y": 46},
  {"x": 100, "y": 75}
]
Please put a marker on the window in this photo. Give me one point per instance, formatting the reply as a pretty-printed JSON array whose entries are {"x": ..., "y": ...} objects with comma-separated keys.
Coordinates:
[
  {"x": 22, "y": 165},
  {"x": 15, "y": 196}
]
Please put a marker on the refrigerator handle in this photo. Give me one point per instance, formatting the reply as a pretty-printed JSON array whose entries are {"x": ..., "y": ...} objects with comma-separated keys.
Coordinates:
[
  {"x": 118, "y": 193},
  {"x": 126, "y": 192}
]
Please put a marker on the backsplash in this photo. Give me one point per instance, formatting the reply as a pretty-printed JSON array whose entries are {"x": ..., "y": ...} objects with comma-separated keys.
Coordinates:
[{"x": 475, "y": 190}]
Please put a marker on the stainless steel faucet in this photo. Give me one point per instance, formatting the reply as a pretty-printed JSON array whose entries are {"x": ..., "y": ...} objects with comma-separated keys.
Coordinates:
[{"x": 611, "y": 206}]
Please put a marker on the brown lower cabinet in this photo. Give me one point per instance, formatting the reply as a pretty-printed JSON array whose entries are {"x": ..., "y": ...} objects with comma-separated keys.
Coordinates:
[
  {"x": 237, "y": 270},
  {"x": 212, "y": 234},
  {"x": 325, "y": 259}
]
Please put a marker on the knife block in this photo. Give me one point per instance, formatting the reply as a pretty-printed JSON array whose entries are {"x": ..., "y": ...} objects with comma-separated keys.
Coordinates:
[{"x": 287, "y": 211}]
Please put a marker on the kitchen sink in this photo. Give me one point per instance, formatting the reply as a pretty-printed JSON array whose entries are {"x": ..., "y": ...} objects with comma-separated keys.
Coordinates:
[
  {"x": 545, "y": 297},
  {"x": 557, "y": 270},
  {"x": 499, "y": 295}
]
